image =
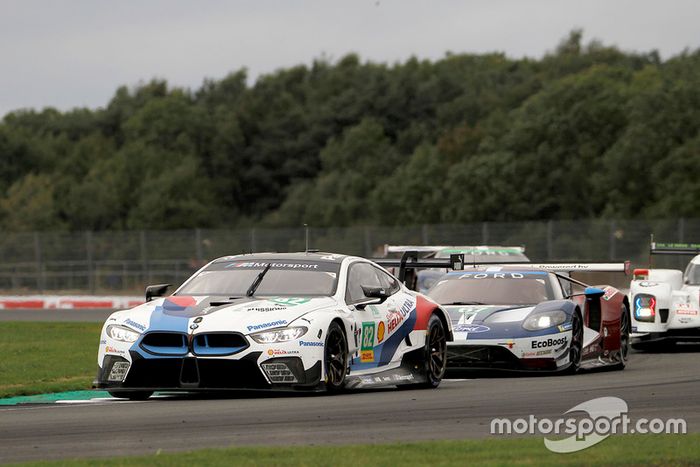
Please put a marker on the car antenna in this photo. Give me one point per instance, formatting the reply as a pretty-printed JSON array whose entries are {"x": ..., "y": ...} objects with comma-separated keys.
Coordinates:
[{"x": 306, "y": 234}]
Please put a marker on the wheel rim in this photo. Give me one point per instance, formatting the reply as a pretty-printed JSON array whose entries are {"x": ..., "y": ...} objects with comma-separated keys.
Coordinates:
[
  {"x": 576, "y": 341},
  {"x": 437, "y": 343},
  {"x": 624, "y": 334},
  {"x": 336, "y": 358}
]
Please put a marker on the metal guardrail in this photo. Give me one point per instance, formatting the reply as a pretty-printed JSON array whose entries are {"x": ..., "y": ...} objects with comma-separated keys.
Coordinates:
[{"x": 125, "y": 261}]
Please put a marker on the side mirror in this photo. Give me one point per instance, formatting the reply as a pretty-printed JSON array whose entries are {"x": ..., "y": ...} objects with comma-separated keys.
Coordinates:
[
  {"x": 593, "y": 292},
  {"x": 153, "y": 291},
  {"x": 375, "y": 296}
]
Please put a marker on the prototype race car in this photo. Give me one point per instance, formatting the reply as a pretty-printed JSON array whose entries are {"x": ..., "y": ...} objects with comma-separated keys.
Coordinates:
[
  {"x": 276, "y": 321},
  {"x": 484, "y": 254},
  {"x": 666, "y": 302}
]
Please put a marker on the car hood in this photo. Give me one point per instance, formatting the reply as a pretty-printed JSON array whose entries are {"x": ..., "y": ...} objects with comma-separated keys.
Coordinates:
[
  {"x": 246, "y": 315},
  {"x": 467, "y": 314}
]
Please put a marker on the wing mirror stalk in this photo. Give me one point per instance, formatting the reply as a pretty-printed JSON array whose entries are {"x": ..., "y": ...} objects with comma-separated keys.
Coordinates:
[{"x": 154, "y": 291}]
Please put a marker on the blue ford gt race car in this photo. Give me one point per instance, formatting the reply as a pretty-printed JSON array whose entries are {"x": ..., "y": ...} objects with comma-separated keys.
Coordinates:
[{"x": 530, "y": 317}]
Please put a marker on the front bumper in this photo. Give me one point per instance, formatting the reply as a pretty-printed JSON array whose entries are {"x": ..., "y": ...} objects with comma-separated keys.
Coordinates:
[
  {"x": 204, "y": 373},
  {"x": 548, "y": 352}
]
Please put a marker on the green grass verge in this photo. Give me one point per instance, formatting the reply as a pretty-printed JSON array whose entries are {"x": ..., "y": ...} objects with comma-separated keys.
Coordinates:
[
  {"x": 47, "y": 357},
  {"x": 616, "y": 450}
]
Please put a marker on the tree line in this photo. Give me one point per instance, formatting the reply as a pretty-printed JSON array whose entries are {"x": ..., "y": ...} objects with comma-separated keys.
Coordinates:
[{"x": 587, "y": 131}]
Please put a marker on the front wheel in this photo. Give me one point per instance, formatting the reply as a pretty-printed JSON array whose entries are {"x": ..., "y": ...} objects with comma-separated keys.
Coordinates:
[
  {"x": 576, "y": 347},
  {"x": 131, "y": 395},
  {"x": 335, "y": 358}
]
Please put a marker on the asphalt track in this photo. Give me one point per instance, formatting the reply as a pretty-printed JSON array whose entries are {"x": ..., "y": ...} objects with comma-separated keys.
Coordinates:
[{"x": 663, "y": 385}]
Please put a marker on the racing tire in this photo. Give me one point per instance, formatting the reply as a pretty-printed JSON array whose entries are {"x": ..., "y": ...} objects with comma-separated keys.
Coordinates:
[
  {"x": 335, "y": 358},
  {"x": 131, "y": 395},
  {"x": 624, "y": 338},
  {"x": 434, "y": 356},
  {"x": 576, "y": 347}
]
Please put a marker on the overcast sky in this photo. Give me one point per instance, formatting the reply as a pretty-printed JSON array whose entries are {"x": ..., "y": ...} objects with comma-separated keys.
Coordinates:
[{"x": 74, "y": 53}]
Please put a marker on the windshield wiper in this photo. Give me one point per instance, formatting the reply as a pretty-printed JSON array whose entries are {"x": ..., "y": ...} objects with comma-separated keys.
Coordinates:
[
  {"x": 465, "y": 303},
  {"x": 257, "y": 281}
]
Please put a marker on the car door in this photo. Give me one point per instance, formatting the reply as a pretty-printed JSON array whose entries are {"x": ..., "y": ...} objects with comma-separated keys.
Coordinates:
[{"x": 369, "y": 320}]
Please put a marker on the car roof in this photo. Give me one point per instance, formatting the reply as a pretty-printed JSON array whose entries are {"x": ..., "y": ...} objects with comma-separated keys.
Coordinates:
[{"x": 299, "y": 256}]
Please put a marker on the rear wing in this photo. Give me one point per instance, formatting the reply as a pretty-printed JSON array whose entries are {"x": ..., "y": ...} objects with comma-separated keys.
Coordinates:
[
  {"x": 674, "y": 248},
  {"x": 657, "y": 248},
  {"x": 467, "y": 250},
  {"x": 410, "y": 260}
]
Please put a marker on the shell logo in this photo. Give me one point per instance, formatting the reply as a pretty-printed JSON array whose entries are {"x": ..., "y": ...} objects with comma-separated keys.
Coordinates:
[
  {"x": 270, "y": 352},
  {"x": 380, "y": 331}
]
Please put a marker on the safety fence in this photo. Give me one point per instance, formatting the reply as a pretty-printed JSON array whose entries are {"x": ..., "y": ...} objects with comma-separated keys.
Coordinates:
[{"x": 125, "y": 261}]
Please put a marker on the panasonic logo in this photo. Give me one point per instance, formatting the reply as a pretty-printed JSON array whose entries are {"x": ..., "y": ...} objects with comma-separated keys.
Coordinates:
[
  {"x": 548, "y": 343},
  {"x": 310, "y": 344},
  {"x": 255, "y": 327}
]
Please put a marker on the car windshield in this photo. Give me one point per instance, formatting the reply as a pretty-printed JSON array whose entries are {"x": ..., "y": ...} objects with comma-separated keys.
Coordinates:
[
  {"x": 692, "y": 274},
  {"x": 492, "y": 288},
  {"x": 284, "y": 277}
]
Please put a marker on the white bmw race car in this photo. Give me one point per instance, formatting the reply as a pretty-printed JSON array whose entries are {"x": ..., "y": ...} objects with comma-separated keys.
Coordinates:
[
  {"x": 276, "y": 321},
  {"x": 666, "y": 302}
]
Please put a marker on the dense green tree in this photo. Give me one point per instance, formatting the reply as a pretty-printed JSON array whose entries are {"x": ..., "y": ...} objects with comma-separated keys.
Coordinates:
[{"x": 587, "y": 131}]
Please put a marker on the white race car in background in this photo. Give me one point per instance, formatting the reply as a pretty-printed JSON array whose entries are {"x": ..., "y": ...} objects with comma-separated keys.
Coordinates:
[
  {"x": 666, "y": 302},
  {"x": 284, "y": 321}
]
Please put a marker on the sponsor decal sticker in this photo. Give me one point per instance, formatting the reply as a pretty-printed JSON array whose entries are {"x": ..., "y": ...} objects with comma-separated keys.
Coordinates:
[
  {"x": 367, "y": 348},
  {"x": 310, "y": 344},
  {"x": 548, "y": 342},
  {"x": 471, "y": 328},
  {"x": 380, "y": 331},
  {"x": 290, "y": 301},
  {"x": 565, "y": 327},
  {"x": 374, "y": 310},
  {"x": 275, "y": 352},
  {"x": 256, "y": 327},
  {"x": 508, "y": 344},
  {"x": 367, "y": 356},
  {"x": 395, "y": 317},
  {"x": 264, "y": 309},
  {"x": 118, "y": 371},
  {"x": 609, "y": 293},
  {"x": 255, "y": 264},
  {"x": 110, "y": 349},
  {"x": 135, "y": 325},
  {"x": 493, "y": 275}
]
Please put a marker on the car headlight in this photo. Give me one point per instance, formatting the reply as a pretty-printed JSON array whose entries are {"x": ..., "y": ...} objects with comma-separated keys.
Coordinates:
[
  {"x": 122, "y": 333},
  {"x": 279, "y": 335},
  {"x": 544, "y": 320}
]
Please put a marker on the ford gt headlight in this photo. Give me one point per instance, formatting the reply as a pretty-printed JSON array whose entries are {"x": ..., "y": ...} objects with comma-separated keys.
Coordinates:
[
  {"x": 122, "y": 333},
  {"x": 544, "y": 320},
  {"x": 279, "y": 335}
]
